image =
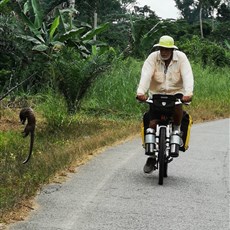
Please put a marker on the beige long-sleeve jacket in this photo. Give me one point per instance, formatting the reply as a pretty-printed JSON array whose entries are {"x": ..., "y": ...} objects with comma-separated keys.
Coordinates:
[{"x": 177, "y": 78}]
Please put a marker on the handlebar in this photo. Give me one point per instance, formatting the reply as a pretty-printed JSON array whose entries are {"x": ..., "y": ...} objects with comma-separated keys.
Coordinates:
[
  {"x": 177, "y": 102},
  {"x": 178, "y": 99}
]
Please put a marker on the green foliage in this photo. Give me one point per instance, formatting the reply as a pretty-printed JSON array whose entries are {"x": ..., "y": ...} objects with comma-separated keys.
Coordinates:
[
  {"x": 117, "y": 35},
  {"x": 212, "y": 91},
  {"x": 76, "y": 75},
  {"x": 212, "y": 84},
  {"x": 3, "y": 3},
  {"x": 4, "y": 7},
  {"x": 45, "y": 39},
  {"x": 49, "y": 6},
  {"x": 190, "y": 9},
  {"x": 54, "y": 110},
  {"x": 72, "y": 72},
  {"x": 114, "y": 92},
  {"x": 105, "y": 9},
  {"x": 50, "y": 37},
  {"x": 204, "y": 52},
  {"x": 144, "y": 33},
  {"x": 135, "y": 36},
  {"x": 221, "y": 32},
  {"x": 13, "y": 53},
  {"x": 21, "y": 181},
  {"x": 7, "y": 157}
]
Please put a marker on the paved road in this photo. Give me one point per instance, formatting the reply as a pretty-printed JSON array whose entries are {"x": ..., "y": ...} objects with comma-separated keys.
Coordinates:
[{"x": 112, "y": 193}]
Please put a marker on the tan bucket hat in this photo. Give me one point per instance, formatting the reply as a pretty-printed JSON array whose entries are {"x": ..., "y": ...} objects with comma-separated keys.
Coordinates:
[{"x": 166, "y": 42}]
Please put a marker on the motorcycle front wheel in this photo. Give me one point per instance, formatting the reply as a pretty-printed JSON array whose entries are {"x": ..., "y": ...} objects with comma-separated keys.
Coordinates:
[{"x": 162, "y": 157}]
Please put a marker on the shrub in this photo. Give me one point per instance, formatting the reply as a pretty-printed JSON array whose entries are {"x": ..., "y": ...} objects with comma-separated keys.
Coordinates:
[
  {"x": 204, "y": 52},
  {"x": 54, "y": 110},
  {"x": 74, "y": 75}
]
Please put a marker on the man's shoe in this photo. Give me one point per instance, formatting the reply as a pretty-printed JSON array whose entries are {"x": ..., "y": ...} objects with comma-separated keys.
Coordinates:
[{"x": 150, "y": 165}]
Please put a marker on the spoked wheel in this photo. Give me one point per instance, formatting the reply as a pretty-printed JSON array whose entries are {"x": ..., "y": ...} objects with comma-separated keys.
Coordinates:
[{"x": 163, "y": 166}]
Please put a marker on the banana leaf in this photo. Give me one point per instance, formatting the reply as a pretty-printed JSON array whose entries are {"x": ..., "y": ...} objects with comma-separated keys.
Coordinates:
[{"x": 54, "y": 26}]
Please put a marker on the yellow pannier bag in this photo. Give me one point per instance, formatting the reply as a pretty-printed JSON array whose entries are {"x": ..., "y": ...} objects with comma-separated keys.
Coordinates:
[{"x": 186, "y": 125}]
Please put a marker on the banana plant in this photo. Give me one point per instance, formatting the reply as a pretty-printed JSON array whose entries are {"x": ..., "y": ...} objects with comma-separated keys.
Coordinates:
[{"x": 48, "y": 38}]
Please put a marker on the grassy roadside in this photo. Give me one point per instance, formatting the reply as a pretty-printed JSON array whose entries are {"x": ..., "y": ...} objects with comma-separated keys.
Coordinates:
[
  {"x": 64, "y": 151},
  {"x": 109, "y": 114},
  {"x": 55, "y": 154}
]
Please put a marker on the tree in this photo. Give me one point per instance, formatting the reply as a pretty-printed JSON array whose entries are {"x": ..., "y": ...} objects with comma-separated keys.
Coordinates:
[
  {"x": 144, "y": 11},
  {"x": 223, "y": 13},
  {"x": 210, "y": 6},
  {"x": 201, "y": 2},
  {"x": 104, "y": 9},
  {"x": 193, "y": 10},
  {"x": 188, "y": 10}
]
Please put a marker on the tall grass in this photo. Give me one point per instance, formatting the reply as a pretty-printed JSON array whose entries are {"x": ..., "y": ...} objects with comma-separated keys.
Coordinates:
[
  {"x": 211, "y": 93},
  {"x": 115, "y": 92}
]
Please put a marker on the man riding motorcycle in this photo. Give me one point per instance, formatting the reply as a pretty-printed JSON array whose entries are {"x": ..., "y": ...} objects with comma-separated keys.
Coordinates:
[{"x": 165, "y": 71}]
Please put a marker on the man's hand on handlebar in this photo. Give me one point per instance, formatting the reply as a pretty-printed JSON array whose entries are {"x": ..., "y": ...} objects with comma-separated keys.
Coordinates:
[
  {"x": 141, "y": 97},
  {"x": 186, "y": 98}
]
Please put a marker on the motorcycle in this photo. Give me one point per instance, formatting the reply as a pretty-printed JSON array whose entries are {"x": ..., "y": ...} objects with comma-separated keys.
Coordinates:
[{"x": 163, "y": 143}]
